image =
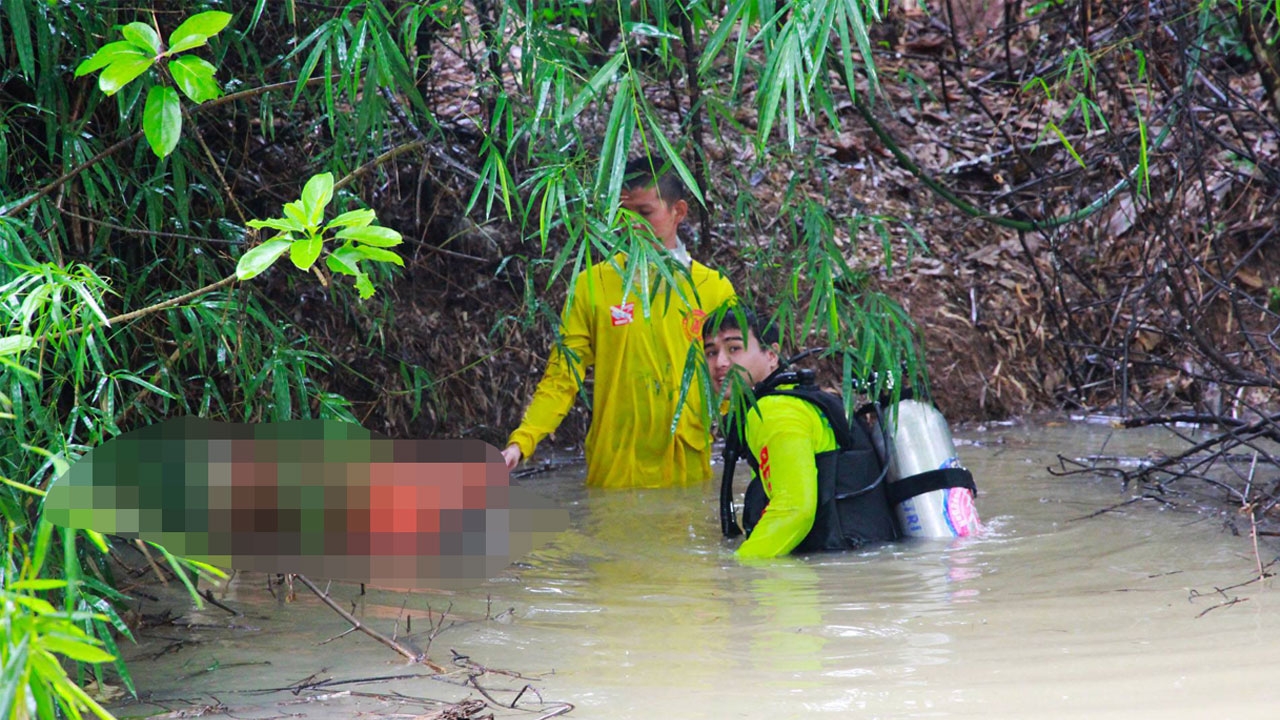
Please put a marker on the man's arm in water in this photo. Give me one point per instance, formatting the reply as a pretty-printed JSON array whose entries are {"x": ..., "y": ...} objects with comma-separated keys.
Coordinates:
[{"x": 786, "y": 436}]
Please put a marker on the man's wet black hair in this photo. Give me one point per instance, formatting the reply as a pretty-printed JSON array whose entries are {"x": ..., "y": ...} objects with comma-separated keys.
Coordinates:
[
  {"x": 726, "y": 318},
  {"x": 643, "y": 172}
]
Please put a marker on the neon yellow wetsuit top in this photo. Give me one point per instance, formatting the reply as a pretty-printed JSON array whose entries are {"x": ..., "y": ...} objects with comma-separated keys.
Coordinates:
[
  {"x": 784, "y": 437},
  {"x": 639, "y": 364}
]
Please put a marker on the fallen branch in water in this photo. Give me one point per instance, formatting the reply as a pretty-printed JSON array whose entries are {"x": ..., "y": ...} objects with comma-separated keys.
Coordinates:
[
  {"x": 355, "y": 623},
  {"x": 1229, "y": 603}
]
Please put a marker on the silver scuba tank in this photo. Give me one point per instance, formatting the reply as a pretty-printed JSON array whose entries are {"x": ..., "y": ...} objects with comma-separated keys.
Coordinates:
[{"x": 921, "y": 441}]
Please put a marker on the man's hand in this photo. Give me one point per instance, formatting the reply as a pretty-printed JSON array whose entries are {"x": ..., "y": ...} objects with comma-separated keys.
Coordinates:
[{"x": 512, "y": 455}]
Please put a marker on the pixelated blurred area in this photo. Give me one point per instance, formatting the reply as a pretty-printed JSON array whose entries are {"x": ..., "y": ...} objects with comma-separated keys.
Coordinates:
[{"x": 323, "y": 498}]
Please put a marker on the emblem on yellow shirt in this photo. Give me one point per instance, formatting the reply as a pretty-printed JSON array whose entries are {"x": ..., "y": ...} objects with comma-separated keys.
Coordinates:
[
  {"x": 693, "y": 325},
  {"x": 623, "y": 314}
]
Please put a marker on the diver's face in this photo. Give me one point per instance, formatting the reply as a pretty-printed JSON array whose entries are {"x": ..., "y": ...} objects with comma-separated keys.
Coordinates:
[
  {"x": 663, "y": 218},
  {"x": 732, "y": 350}
]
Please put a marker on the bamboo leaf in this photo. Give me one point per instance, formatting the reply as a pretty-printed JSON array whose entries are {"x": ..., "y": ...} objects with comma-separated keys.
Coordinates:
[
  {"x": 180, "y": 572},
  {"x": 676, "y": 163},
  {"x": 646, "y": 30},
  {"x": 20, "y": 25},
  {"x": 35, "y": 604},
  {"x": 75, "y": 650},
  {"x": 715, "y": 44},
  {"x": 617, "y": 143},
  {"x": 17, "y": 661},
  {"x": 1066, "y": 143},
  {"x": 15, "y": 344},
  {"x": 38, "y": 584},
  {"x": 130, "y": 377},
  {"x": 162, "y": 120},
  {"x": 593, "y": 87}
]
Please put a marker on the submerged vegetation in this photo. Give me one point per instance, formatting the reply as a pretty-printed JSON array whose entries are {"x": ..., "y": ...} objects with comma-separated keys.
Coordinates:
[{"x": 1073, "y": 207}]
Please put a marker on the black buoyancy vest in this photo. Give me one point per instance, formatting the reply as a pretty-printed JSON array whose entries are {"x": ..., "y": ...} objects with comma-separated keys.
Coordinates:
[{"x": 853, "y": 508}]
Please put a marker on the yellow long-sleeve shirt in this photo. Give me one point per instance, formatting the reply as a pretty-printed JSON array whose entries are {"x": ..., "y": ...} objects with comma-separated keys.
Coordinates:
[
  {"x": 639, "y": 364},
  {"x": 784, "y": 437}
]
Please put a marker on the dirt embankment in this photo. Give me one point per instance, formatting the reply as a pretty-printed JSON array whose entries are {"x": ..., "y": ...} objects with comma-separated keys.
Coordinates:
[{"x": 1014, "y": 319}]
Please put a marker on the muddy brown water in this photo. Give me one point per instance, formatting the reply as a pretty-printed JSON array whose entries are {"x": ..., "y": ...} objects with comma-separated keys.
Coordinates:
[{"x": 640, "y": 611}]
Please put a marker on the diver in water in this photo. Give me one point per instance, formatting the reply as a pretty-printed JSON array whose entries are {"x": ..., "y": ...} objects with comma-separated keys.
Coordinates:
[{"x": 818, "y": 482}]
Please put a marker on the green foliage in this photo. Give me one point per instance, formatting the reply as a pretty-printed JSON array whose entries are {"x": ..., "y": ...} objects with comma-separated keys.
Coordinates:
[
  {"x": 93, "y": 228},
  {"x": 123, "y": 61},
  {"x": 35, "y": 636},
  {"x": 302, "y": 236}
]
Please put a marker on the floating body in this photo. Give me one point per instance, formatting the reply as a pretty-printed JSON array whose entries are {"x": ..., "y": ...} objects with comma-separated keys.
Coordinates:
[{"x": 319, "y": 497}]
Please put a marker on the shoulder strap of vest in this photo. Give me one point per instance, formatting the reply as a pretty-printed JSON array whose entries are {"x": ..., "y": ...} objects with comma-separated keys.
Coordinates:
[
  {"x": 831, "y": 406},
  {"x": 733, "y": 447},
  {"x": 735, "y": 443}
]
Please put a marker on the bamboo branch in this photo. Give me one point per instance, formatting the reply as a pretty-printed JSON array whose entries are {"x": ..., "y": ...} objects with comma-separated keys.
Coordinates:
[{"x": 73, "y": 172}]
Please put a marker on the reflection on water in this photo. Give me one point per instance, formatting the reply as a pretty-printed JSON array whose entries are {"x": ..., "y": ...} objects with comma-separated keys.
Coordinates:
[{"x": 640, "y": 610}]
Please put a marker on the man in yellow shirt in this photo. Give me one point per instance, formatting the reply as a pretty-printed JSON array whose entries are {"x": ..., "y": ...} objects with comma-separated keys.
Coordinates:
[
  {"x": 639, "y": 362},
  {"x": 816, "y": 486}
]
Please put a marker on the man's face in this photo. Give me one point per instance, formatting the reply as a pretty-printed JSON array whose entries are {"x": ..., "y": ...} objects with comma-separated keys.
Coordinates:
[
  {"x": 732, "y": 350},
  {"x": 663, "y": 218}
]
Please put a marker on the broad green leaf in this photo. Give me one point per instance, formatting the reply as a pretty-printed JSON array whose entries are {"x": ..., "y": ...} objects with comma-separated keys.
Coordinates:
[
  {"x": 162, "y": 120},
  {"x": 316, "y": 196},
  {"x": 196, "y": 30},
  {"x": 304, "y": 252},
  {"x": 108, "y": 54},
  {"x": 122, "y": 71},
  {"x": 260, "y": 258},
  {"x": 363, "y": 286},
  {"x": 15, "y": 344},
  {"x": 281, "y": 224},
  {"x": 143, "y": 36},
  {"x": 345, "y": 260},
  {"x": 293, "y": 211},
  {"x": 375, "y": 235},
  {"x": 352, "y": 218},
  {"x": 379, "y": 255},
  {"x": 194, "y": 77}
]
